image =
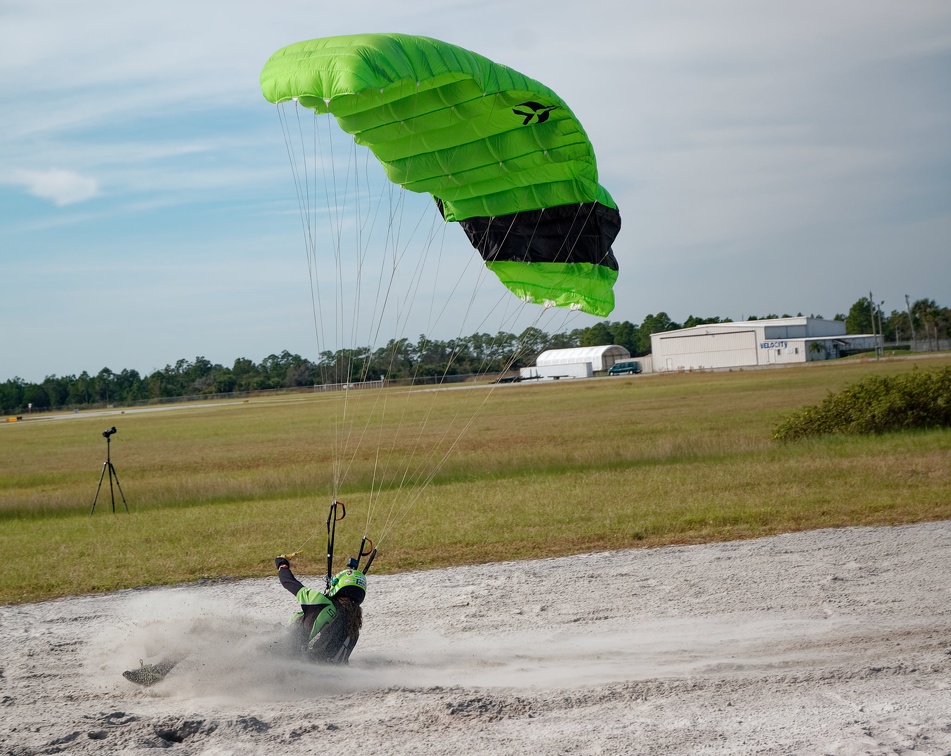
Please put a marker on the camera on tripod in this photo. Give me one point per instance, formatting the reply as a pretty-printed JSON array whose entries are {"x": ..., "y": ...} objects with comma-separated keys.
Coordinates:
[{"x": 113, "y": 475}]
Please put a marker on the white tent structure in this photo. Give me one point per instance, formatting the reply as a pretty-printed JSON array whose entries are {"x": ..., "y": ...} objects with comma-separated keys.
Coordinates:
[{"x": 576, "y": 362}]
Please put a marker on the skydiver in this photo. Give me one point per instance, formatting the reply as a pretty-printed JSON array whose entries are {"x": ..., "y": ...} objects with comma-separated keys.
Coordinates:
[
  {"x": 325, "y": 630},
  {"x": 328, "y": 625}
]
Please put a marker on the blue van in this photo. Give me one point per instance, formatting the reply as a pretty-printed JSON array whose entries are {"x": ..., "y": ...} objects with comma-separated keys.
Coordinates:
[{"x": 625, "y": 368}]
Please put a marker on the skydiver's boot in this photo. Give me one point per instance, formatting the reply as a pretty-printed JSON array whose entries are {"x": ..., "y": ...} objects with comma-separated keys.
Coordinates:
[{"x": 149, "y": 674}]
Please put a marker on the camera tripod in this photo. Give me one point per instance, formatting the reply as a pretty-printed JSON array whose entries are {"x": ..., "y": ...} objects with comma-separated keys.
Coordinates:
[{"x": 107, "y": 465}]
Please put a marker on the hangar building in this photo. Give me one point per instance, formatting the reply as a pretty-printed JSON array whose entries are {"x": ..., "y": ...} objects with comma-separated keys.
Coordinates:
[{"x": 755, "y": 343}]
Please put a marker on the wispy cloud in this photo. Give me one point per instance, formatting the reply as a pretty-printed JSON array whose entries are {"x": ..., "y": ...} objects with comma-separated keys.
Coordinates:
[{"x": 61, "y": 187}]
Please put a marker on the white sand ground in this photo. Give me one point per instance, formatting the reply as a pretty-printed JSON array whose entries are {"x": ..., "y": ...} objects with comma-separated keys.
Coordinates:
[{"x": 828, "y": 642}]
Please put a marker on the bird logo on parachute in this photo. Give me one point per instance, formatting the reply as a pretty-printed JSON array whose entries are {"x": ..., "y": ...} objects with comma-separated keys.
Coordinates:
[{"x": 534, "y": 112}]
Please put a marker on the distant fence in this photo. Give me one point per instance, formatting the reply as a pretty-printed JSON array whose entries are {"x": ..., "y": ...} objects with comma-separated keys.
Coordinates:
[
  {"x": 352, "y": 386},
  {"x": 929, "y": 345},
  {"x": 425, "y": 380}
]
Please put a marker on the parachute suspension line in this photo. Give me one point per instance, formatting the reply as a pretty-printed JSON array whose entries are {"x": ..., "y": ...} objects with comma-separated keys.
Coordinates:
[
  {"x": 329, "y": 372},
  {"x": 394, "y": 236},
  {"x": 577, "y": 237},
  {"x": 302, "y": 186},
  {"x": 342, "y": 371},
  {"x": 363, "y": 235},
  {"x": 416, "y": 473},
  {"x": 394, "y": 229},
  {"x": 396, "y": 251},
  {"x": 403, "y": 473},
  {"x": 385, "y": 455},
  {"x": 350, "y": 353},
  {"x": 336, "y": 212},
  {"x": 410, "y": 297},
  {"x": 343, "y": 360},
  {"x": 416, "y": 480},
  {"x": 364, "y": 252},
  {"x": 308, "y": 216},
  {"x": 425, "y": 471},
  {"x": 308, "y": 211},
  {"x": 409, "y": 475},
  {"x": 374, "y": 325},
  {"x": 396, "y": 515},
  {"x": 382, "y": 303},
  {"x": 307, "y": 201},
  {"x": 349, "y": 321},
  {"x": 339, "y": 369},
  {"x": 356, "y": 370}
]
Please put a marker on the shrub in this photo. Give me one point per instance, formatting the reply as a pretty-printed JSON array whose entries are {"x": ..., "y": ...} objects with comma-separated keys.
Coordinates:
[{"x": 877, "y": 404}]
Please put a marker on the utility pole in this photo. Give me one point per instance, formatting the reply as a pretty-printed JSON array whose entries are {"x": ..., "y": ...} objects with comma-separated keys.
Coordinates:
[
  {"x": 911, "y": 322},
  {"x": 871, "y": 309},
  {"x": 881, "y": 327}
]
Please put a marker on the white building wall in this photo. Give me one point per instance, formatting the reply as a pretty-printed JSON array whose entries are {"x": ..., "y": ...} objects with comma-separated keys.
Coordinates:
[
  {"x": 748, "y": 344},
  {"x": 782, "y": 352},
  {"x": 703, "y": 351}
]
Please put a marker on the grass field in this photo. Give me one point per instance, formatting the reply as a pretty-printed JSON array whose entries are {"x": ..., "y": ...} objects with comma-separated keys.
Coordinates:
[{"x": 218, "y": 490}]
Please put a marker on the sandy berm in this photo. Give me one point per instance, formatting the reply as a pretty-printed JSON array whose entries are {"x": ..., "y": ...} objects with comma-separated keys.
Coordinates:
[{"x": 823, "y": 642}]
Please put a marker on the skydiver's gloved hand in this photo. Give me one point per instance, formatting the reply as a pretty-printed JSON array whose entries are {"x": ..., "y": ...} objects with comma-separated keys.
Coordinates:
[{"x": 281, "y": 562}]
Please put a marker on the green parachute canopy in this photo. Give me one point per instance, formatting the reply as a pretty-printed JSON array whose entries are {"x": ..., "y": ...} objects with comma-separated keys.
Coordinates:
[{"x": 501, "y": 154}]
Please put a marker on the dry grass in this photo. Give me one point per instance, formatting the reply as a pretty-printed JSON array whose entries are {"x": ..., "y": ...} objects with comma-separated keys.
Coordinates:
[{"x": 543, "y": 470}]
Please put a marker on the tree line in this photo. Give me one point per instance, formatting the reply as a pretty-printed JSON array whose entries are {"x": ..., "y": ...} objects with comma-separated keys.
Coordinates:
[{"x": 403, "y": 359}]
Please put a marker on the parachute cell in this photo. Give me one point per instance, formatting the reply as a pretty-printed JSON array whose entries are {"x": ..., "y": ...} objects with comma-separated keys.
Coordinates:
[{"x": 501, "y": 153}]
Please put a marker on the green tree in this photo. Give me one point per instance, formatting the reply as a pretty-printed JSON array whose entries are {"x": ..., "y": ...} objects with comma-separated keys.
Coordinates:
[
  {"x": 395, "y": 360},
  {"x": 129, "y": 386},
  {"x": 56, "y": 390},
  {"x": 531, "y": 343},
  {"x": 34, "y": 395},
  {"x": 565, "y": 340},
  {"x": 859, "y": 319},
  {"x": 896, "y": 326},
  {"x": 931, "y": 321},
  {"x": 692, "y": 321},
  {"x": 625, "y": 335},
  {"x": 80, "y": 389},
  {"x": 597, "y": 335},
  {"x": 103, "y": 386},
  {"x": 246, "y": 375},
  {"x": 11, "y": 395},
  {"x": 505, "y": 349}
]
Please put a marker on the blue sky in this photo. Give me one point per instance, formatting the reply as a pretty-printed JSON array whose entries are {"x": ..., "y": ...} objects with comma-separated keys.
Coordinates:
[{"x": 766, "y": 157}]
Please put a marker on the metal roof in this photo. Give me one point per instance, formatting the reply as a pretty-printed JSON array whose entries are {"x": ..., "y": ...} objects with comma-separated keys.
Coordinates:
[{"x": 579, "y": 354}]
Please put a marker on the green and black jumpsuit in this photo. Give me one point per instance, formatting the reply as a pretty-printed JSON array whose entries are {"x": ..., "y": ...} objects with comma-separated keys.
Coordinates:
[{"x": 318, "y": 636}]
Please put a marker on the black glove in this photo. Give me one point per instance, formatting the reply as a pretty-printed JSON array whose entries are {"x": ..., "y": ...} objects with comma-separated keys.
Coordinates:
[{"x": 281, "y": 562}]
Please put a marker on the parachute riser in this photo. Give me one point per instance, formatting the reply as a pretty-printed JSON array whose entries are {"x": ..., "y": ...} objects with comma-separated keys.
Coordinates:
[
  {"x": 367, "y": 549},
  {"x": 370, "y": 554},
  {"x": 331, "y": 535}
]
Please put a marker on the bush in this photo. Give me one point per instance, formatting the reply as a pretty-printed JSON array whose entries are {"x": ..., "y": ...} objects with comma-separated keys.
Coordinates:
[{"x": 919, "y": 399}]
